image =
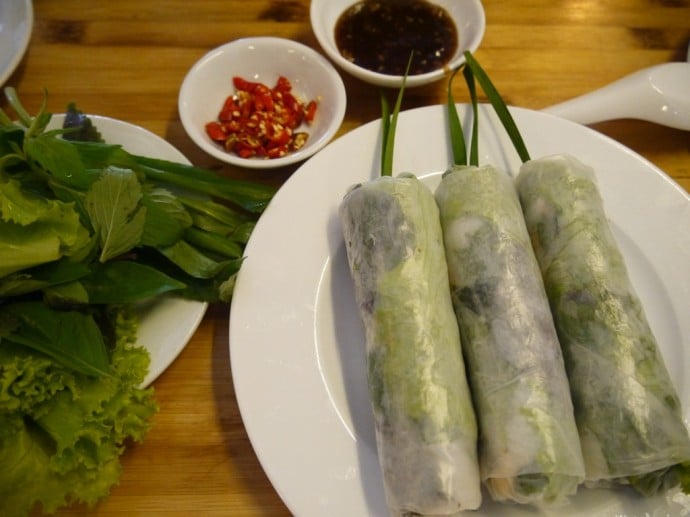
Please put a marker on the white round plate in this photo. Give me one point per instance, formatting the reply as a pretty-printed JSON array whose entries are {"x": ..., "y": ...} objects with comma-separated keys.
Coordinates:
[
  {"x": 16, "y": 24},
  {"x": 167, "y": 324},
  {"x": 297, "y": 344}
]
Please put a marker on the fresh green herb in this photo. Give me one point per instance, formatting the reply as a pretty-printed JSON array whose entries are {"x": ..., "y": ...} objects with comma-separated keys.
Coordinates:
[
  {"x": 87, "y": 231},
  {"x": 386, "y": 155},
  {"x": 499, "y": 106},
  {"x": 70, "y": 337},
  {"x": 62, "y": 431},
  {"x": 113, "y": 206},
  {"x": 389, "y": 122},
  {"x": 457, "y": 137},
  {"x": 125, "y": 281},
  {"x": 474, "y": 147},
  {"x": 93, "y": 200}
]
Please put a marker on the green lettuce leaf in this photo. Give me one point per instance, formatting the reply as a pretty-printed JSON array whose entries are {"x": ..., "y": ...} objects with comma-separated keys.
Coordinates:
[
  {"x": 35, "y": 230},
  {"x": 62, "y": 432}
]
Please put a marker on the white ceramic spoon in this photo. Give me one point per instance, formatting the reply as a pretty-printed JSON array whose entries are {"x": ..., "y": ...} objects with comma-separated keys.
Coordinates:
[{"x": 659, "y": 94}]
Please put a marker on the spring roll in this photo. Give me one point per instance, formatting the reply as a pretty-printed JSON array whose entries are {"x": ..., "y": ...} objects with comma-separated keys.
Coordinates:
[
  {"x": 426, "y": 431},
  {"x": 627, "y": 410},
  {"x": 528, "y": 442}
]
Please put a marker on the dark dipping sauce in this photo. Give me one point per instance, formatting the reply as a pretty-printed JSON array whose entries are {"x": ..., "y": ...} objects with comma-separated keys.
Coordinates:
[{"x": 380, "y": 35}]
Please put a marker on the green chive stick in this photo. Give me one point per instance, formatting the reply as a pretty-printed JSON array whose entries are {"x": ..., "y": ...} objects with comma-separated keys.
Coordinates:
[
  {"x": 389, "y": 122},
  {"x": 499, "y": 106}
]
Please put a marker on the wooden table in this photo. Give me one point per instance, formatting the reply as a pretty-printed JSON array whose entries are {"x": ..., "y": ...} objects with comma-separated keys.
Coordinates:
[{"x": 127, "y": 59}]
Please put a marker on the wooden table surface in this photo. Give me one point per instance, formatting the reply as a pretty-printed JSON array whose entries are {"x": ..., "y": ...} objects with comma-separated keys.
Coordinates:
[{"x": 127, "y": 59}]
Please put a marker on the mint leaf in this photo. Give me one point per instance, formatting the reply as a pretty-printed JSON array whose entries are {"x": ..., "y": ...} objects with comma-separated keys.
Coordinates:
[{"x": 112, "y": 203}]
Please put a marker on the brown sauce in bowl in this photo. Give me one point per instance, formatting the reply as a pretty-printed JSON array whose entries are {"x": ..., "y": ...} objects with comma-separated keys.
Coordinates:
[{"x": 380, "y": 35}]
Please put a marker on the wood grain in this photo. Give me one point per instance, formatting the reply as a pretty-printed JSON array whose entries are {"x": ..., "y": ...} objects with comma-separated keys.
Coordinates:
[{"x": 127, "y": 59}]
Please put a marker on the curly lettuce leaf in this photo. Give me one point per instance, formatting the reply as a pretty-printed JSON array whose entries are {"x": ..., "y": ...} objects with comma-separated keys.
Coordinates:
[{"x": 62, "y": 432}]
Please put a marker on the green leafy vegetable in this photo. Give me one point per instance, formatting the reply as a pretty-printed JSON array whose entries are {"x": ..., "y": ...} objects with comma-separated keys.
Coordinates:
[
  {"x": 126, "y": 281},
  {"x": 59, "y": 159},
  {"x": 166, "y": 218},
  {"x": 112, "y": 203},
  {"x": 35, "y": 230},
  {"x": 62, "y": 432},
  {"x": 71, "y": 338},
  {"x": 93, "y": 200},
  {"x": 252, "y": 197},
  {"x": 88, "y": 230},
  {"x": 41, "y": 277}
]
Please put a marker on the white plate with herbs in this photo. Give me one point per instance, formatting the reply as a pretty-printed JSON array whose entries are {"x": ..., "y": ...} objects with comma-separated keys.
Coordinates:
[{"x": 168, "y": 323}]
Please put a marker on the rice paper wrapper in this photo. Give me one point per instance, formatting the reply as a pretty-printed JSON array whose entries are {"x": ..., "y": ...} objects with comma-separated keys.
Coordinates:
[
  {"x": 424, "y": 419},
  {"x": 529, "y": 446},
  {"x": 628, "y": 413}
]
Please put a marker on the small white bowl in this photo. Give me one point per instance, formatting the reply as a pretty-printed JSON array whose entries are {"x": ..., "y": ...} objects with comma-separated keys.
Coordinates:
[
  {"x": 470, "y": 22},
  {"x": 263, "y": 59}
]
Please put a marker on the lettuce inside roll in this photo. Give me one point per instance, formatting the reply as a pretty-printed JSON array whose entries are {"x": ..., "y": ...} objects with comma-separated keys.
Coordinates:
[
  {"x": 628, "y": 413},
  {"x": 424, "y": 419},
  {"x": 528, "y": 441}
]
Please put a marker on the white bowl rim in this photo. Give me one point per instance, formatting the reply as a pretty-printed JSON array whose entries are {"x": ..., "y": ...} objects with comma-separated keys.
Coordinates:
[
  {"x": 340, "y": 102},
  {"x": 387, "y": 80}
]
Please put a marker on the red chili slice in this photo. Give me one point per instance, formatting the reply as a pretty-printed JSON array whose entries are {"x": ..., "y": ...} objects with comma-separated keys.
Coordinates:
[
  {"x": 260, "y": 121},
  {"x": 216, "y": 132},
  {"x": 310, "y": 111}
]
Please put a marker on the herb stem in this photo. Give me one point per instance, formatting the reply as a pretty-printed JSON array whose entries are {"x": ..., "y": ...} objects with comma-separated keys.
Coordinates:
[{"x": 250, "y": 196}]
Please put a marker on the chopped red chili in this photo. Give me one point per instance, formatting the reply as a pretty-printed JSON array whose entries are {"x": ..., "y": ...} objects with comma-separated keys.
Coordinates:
[{"x": 258, "y": 121}]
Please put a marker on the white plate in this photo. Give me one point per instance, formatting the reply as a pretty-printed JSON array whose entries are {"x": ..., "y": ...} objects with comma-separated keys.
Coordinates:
[
  {"x": 262, "y": 59},
  {"x": 167, "y": 324},
  {"x": 296, "y": 340},
  {"x": 16, "y": 24}
]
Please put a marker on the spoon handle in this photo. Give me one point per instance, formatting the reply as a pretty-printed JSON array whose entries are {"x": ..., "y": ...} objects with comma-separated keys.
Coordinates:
[
  {"x": 657, "y": 94},
  {"x": 616, "y": 100}
]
